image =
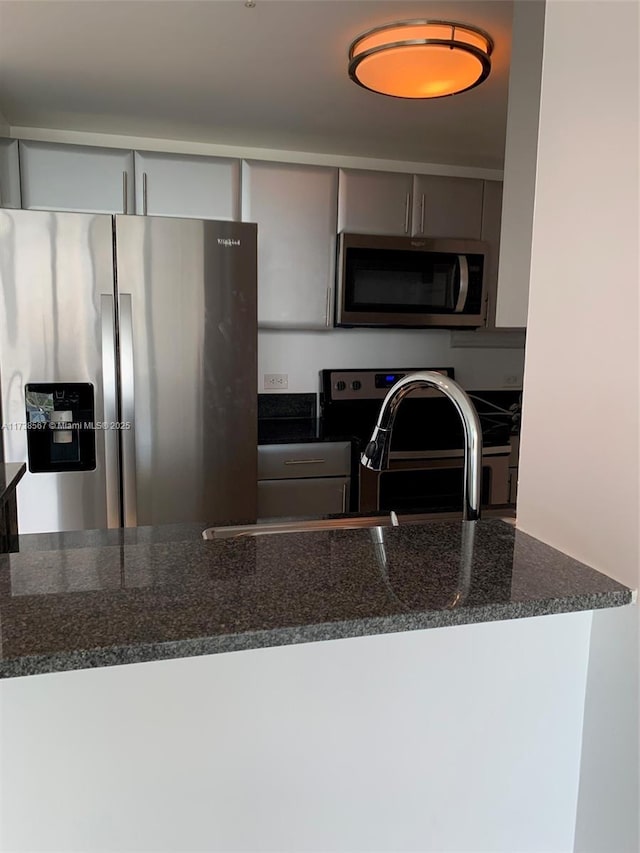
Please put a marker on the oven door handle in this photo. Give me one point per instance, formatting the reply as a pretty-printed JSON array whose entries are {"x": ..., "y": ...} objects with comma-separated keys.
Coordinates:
[{"x": 463, "y": 293}]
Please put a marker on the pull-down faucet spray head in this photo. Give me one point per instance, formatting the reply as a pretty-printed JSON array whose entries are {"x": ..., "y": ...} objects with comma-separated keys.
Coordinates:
[{"x": 376, "y": 453}]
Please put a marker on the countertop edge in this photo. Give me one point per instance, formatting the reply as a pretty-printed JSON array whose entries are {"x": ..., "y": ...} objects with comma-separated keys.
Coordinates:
[
  {"x": 11, "y": 482},
  {"x": 294, "y": 635}
]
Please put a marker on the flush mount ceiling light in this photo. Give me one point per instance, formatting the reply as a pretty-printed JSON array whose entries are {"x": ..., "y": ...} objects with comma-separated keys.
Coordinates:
[{"x": 420, "y": 59}]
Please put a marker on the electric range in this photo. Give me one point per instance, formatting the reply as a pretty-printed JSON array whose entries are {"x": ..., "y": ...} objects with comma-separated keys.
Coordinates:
[{"x": 426, "y": 461}]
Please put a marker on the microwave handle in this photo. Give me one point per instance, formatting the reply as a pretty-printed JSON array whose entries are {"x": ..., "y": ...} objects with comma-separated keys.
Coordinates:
[{"x": 463, "y": 268}]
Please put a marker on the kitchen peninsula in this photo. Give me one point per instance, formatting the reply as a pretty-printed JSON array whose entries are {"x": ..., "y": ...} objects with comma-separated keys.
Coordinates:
[
  {"x": 368, "y": 740},
  {"x": 144, "y": 594}
]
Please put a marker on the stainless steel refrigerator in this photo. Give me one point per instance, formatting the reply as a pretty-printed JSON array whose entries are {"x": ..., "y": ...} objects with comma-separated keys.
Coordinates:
[{"x": 128, "y": 368}]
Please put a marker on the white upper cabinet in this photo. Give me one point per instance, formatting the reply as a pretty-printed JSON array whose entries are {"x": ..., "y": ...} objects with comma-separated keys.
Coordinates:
[
  {"x": 447, "y": 207},
  {"x": 189, "y": 186},
  {"x": 394, "y": 203},
  {"x": 375, "y": 202},
  {"x": 295, "y": 208},
  {"x": 76, "y": 177},
  {"x": 9, "y": 173}
]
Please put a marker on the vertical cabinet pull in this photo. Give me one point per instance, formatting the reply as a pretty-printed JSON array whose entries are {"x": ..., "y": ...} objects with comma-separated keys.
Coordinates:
[
  {"x": 407, "y": 204},
  {"x": 125, "y": 193},
  {"x": 422, "y": 214},
  {"x": 327, "y": 321},
  {"x": 344, "y": 497},
  {"x": 144, "y": 193}
]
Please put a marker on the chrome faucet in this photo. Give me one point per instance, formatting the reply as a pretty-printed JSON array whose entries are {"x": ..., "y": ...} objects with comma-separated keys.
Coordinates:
[{"x": 376, "y": 453}]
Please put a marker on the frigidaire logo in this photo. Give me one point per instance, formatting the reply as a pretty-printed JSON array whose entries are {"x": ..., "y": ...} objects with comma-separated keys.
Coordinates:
[
  {"x": 227, "y": 241},
  {"x": 418, "y": 243}
]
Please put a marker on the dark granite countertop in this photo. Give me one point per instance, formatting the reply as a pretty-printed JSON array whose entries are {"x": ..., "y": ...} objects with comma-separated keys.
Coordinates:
[
  {"x": 10, "y": 475},
  {"x": 296, "y": 431},
  {"x": 114, "y": 597}
]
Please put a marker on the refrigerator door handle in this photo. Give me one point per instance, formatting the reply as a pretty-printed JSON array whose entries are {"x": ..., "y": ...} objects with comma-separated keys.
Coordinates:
[
  {"x": 110, "y": 404},
  {"x": 129, "y": 485}
]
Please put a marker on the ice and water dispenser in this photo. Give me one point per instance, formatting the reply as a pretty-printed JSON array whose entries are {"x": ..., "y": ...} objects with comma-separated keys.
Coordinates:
[{"x": 60, "y": 426}]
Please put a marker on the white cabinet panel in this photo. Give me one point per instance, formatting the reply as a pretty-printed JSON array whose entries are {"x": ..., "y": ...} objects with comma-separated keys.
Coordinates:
[
  {"x": 295, "y": 208},
  {"x": 374, "y": 202},
  {"x": 447, "y": 207},
  {"x": 491, "y": 215},
  {"x": 395, "y": 203},
  {"x": 76, "y": 177},
  {"x": 189, "y": 186},
  {"x": 9, "y": 173}
]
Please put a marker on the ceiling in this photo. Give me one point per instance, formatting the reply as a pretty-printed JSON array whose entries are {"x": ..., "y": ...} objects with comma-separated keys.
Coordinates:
[{"x": 272, "y": 76}]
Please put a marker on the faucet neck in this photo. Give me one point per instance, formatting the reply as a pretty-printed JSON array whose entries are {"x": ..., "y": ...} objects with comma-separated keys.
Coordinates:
[{"x": 376, "y": 454}]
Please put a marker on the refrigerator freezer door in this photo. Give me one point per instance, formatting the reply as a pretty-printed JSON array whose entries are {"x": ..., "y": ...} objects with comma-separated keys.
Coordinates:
[
  {"x": 188, "y": 368},
  {"x": 57, "y": 326}
]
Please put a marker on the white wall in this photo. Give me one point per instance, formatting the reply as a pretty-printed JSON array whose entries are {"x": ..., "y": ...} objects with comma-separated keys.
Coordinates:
[
  {"x": 579, "y": 463},
  {"x": 4, "y": 126},
  {"x": 302, "y": 355},
  {"x": 520, "y": 163},
  {"x": 452, "y": 739}
]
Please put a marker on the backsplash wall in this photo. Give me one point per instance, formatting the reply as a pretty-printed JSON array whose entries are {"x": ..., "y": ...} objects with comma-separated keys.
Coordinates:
[{"x": 301, "y": 355}]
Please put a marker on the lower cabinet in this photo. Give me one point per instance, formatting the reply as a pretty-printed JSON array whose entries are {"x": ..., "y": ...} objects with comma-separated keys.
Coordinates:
[{"x": 302, "y": 480}]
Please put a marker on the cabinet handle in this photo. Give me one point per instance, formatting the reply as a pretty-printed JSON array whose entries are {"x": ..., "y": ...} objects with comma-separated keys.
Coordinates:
[
  {"x": 422, "y": 215},
  {"x": 125, "y": 194},
  {"x": 406, "y": 213},
  {"x": 328, "y": 308},
  {"x": 463, "y": 266},
  {"x": 344, "y": 497},
  {"x": 144, "y": 193},
  {"x": 304, "y": 461}
]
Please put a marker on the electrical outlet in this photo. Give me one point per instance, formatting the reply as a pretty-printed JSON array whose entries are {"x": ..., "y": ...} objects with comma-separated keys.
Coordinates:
[
  {"x": 511, "y": 380},
  {"x": 276, "y": 381}
]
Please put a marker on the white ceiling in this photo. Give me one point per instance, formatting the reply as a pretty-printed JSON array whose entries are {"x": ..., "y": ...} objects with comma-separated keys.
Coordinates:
[{"x": 272, "y": 76}]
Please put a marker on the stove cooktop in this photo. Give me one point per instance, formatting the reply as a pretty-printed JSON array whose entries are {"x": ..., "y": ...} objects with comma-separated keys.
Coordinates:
[{"x": 426, "y": 421}]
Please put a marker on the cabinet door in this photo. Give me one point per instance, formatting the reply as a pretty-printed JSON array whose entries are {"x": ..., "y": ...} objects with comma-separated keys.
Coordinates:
[
  {"x": 9, "y": 173},
  {"x": 295, "y": 208},
  {"x": 374, "y": 202},
  {"x": 447, "y": 207},
  {"x": 187, "y": 186},
  {"x": 76, "y": 177},
  {"x": 314, "y": 497}
]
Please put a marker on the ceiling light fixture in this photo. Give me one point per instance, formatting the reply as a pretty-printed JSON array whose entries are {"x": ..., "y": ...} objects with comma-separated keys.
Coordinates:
[{"x": 420, "y": 59}]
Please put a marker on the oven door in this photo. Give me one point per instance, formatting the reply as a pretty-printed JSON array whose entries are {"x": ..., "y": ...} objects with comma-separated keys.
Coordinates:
[
  {"x": 431, "y": 485},
  {"x": 410, "y": 282}
]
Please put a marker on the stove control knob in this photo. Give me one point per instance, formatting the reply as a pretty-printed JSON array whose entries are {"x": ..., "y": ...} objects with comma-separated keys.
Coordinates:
[
  {"x": 340, "y": 385},
  {"x": 356, "y": 385}
]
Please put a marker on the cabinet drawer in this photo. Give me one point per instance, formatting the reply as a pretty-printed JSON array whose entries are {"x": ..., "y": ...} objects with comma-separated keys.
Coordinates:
[
  {"x": 304, "y": 497},
  {"x": 319, "y": 459}
]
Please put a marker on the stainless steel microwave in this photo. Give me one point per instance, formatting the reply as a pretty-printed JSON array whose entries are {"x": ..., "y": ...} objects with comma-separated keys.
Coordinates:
[{"x": 410, "y": 281}]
